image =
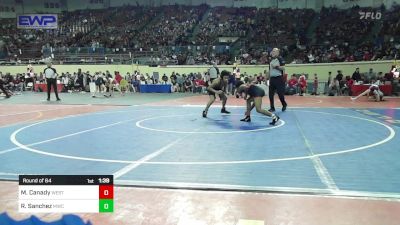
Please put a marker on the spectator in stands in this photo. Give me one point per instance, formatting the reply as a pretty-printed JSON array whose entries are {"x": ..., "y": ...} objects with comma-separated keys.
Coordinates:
[{"x": 174, "y": 26}]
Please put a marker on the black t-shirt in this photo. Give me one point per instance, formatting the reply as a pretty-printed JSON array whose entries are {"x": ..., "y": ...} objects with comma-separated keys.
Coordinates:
[
  {"x": 339, "y": 77},
  {"x": 356, "y": 76}
]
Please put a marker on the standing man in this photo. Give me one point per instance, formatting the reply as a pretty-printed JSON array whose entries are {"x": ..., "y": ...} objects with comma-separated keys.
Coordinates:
[
  {"x": 328, "y": 84},
  {"x": 339, "y": 77},
  {"x": 214, "y": 72},
  {"x": 276, "y": 83},
  {"x": 51, "y": 80},
  {"x": 356, "y": 75}
]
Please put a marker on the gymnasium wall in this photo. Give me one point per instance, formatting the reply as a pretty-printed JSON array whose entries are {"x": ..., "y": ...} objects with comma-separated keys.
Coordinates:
[
  {"x": 320, "y": 69},
  {"x": 38, "y": 6}
]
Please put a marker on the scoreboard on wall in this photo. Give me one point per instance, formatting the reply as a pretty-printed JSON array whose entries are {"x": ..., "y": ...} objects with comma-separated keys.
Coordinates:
[{"x": 66, "y": 194}]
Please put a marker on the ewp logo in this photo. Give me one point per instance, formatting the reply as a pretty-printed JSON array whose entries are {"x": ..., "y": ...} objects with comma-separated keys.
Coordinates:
[{"x": 43, "y": 21}]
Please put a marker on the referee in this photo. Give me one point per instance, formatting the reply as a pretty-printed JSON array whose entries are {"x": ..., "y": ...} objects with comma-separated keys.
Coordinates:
[
  {"x": 276, "y": 83},
  {"x": 51, "y": 80},
  {"x": 214, "y": 72}
]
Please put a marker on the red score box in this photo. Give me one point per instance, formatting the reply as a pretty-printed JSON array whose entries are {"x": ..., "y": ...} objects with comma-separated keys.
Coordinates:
[{"x": 106, "y": 191}]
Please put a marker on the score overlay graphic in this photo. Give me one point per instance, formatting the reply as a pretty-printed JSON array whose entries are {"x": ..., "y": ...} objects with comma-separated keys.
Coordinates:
[{"x": 66, "y": 194}]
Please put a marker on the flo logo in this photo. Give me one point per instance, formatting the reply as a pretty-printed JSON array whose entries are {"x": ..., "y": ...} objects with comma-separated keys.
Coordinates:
[{"x": 370, "y": 15}]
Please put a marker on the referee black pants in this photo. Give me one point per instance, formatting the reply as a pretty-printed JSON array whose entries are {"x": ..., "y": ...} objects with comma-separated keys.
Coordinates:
[
  {"x": 51, "y": 82},
  {"x": 276, "y": 84}
]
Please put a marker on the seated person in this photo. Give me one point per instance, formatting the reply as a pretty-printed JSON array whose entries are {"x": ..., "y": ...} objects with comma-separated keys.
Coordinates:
[
  {"x": 188, "y": 85},
  {"x": 199, "y": 85},
  {"x": 302, "y": 84},
  {"x": 291, "y": 86},
  {"x": 333, "y": 88},
  {"x": 347, "y": 86}
]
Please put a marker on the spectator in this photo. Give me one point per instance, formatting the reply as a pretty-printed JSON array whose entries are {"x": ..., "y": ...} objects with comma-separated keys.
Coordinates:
[
  {"x": 348, "y": 85},
  {"x": 164, "y": 79},
  {"x": 356, "y": 75},
  {"x": 334, "y": 88},
  {"x": 339, "y": 78},
  {"x": 302, "y": 84},
  {"x": 315, "y": 85},
  {"x": 371, "y": 75},
  {"x": 291, "y": 87}
]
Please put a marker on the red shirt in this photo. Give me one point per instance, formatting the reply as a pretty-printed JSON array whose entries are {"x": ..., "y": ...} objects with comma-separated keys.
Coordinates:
[
  {"x": 367, "y": 56},
  {"x": 350, "y": 83},
  {"x": 292, "y": 82},
  {"x": 118, "y": 77},
  {"x": 302, "y": 82},
  {"x": 199, "y": 82}
]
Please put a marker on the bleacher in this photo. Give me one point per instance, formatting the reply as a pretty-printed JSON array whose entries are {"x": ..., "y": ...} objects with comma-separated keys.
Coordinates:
[{"x": 141, "y": 34}]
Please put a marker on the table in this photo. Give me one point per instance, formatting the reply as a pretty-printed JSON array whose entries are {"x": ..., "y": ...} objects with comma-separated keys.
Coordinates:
[
  {"x": 44, "y": 87},
  {"x": 358, "y": 89},
  {"x": 158, "y": 88}
]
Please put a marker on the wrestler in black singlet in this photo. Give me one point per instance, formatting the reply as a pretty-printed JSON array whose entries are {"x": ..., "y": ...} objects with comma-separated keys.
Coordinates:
[{"x": 255, "y": 91}]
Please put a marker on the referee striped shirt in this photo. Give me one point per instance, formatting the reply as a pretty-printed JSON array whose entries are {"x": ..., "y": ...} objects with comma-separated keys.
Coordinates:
[
  {"x": 50, "y": 72},
  {"x": 272, "y": 71}
]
